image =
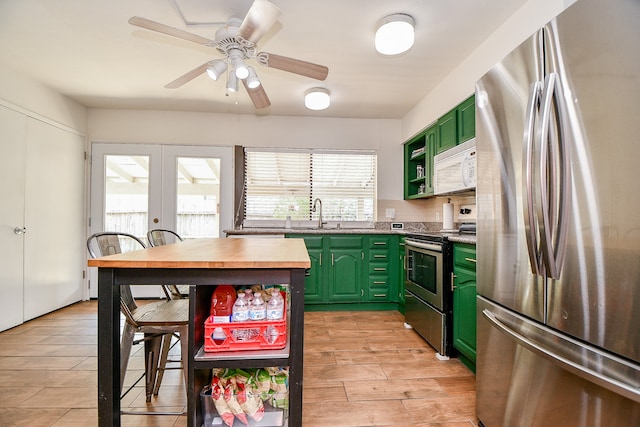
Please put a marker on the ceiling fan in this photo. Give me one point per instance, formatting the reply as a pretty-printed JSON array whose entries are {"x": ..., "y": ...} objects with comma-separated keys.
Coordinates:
[{"x": 237, "y": 42}]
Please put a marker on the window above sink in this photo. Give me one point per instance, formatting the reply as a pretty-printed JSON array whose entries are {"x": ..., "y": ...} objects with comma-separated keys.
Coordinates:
[{"x": 281, "y": 185}]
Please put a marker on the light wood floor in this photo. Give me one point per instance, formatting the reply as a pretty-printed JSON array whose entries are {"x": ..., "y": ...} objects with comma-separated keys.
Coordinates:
[{"x": 361, "y": 369}]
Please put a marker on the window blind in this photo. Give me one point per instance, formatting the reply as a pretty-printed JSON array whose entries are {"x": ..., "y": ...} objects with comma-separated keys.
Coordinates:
[{"x": 281, "y": 183}]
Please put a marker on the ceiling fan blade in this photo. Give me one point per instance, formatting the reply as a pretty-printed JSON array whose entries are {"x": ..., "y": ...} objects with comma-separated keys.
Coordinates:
[
  {"x": 296, "y": 66},
  {"x": 258, "y": 96},
  {"x": 187, "y": 77},
  {"x": 171, "y": 31},
  {"x": 260, "y": 18}
]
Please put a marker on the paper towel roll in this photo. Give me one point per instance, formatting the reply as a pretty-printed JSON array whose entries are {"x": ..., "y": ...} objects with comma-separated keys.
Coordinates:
[{"x": 447, "y": 216}]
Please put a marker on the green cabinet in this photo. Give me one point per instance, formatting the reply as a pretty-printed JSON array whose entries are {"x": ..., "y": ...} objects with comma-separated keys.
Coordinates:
[
  {"x": 344, "y": 271},
  {"x": 466, "y": 119},
  {"x": 464, "y": 302},
  {"x": 351, "y": 268},
  {"x": 381, "y": 268},
  {"x": 415, "y": 154},
  {"x": 447, "y": 136},
  {"x": 453, "y": 128},
  {"x": 402, "y": 272},
  {"x": 313, "y": 291}
]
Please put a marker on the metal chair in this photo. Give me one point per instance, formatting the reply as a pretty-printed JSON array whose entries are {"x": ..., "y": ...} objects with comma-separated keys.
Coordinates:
[
  {"x": 160, "y": 237},
  {"x": 158, "y": 321}
]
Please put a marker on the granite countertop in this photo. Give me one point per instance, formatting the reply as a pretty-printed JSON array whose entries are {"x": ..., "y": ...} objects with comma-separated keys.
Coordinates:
[{"x": 380, "y": 228}]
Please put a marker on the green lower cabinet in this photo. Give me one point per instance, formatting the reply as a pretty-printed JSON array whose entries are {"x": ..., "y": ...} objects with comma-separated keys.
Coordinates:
[
  {"x": 351, "y": 269},
  {"x": 464, "y": 303},
  {"x": 313, "y": 290},
  {"x": 345, "y": 275},
  {"x": 402, "y": 273}
]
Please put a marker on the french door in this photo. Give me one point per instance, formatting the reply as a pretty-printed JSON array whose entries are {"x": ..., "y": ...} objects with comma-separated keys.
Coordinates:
[{"x": 138, "y": 187}]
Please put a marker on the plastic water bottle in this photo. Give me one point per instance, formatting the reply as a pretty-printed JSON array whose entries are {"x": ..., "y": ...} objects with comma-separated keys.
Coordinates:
[
  {"x": 275, "y": 306},
  {"x": 240, "y": 311},
  {"x": 257, "y": 308}
]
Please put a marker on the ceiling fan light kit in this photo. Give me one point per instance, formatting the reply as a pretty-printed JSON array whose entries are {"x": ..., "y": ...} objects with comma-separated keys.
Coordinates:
[
  {"x": 395, "y": 34},
  {"x": 252, "y": 79},
  {"x": 232, "y": 82},
  {"x": 317, "y": 98},
  {"x": 216, "y": 69}
]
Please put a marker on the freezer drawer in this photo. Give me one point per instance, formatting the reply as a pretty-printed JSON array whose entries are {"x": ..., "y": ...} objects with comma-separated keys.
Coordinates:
[
  {"x": 519, "y": 386},
  {"x": 426, "y": 321}
]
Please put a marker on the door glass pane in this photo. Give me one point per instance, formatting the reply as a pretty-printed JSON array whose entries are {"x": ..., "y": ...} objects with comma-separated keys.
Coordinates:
[
  {"x": 198, "y": 197},
  {"x": 127, "y": 195}
]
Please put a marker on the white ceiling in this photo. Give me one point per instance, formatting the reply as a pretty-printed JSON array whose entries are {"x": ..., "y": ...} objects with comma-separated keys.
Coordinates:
[{"x": 86, "y": 50}]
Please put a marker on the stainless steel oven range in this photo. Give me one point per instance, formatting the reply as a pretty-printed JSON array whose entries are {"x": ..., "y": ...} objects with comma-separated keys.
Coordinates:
[{"x": 428, "y": 301}]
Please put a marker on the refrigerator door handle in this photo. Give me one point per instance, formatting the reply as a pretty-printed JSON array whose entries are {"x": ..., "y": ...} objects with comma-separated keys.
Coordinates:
[
  {"x": 530, "y": 223},
  {"x": 621, "y": 384},
  {"x": 555, "y": 177}
]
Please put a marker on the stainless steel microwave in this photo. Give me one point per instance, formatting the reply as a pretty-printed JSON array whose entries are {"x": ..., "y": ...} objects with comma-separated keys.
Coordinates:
[{"x": 455, "y": 169}]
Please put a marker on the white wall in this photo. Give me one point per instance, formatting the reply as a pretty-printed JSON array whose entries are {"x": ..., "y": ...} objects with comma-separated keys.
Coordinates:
[
  {"x": 36, "y": 100},
  {"x": 460, "y": 83},
  {"x": 170, "y": 127}
]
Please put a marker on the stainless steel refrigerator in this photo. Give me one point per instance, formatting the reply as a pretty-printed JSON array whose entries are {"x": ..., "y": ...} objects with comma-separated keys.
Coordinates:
[{"x": 558, "y": 223}]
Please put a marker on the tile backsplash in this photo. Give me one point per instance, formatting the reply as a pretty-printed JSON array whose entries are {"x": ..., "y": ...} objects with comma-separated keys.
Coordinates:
[{"x": 427, "y": 210}]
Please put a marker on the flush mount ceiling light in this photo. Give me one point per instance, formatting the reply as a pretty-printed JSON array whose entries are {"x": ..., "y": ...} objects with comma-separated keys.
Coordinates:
[
  {"x": 317, "y": 98},
  {"x": 395, "y": 34}
]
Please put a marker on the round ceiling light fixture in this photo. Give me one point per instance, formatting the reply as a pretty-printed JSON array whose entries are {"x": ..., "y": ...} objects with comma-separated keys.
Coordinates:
[
  {"x": 317, "y": 98},
  {"x": 395, "y": 34}
]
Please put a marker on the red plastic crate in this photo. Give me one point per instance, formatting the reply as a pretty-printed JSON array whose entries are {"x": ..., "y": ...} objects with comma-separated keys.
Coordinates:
[{"x": 250, "y": 335}]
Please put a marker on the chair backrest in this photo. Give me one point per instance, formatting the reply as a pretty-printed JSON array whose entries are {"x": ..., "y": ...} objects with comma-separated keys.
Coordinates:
[
  {"x": 113, "y": 242},
  {"x": 159, "y": 237}
]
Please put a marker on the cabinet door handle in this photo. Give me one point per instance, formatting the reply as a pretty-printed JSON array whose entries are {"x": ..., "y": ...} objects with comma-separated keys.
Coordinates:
[
  {"x": 378, "y": 282},
  {"x": 470, "y": 260},
  {"x": 380, "y": 295},
  {"x": 379, "y": 269},
  {"x": 379, "y": 243},
  {"x": 320, "y": 258},
  {"x": 361, "y": 292},
  {"x": 453, "y": 277},
  {"x": 379, "y": 256},
  {"x": 332, "y": 260}
]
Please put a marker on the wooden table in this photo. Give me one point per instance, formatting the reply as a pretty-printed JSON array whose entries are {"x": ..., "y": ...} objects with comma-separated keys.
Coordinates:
[{"x": 203, "y": 263}]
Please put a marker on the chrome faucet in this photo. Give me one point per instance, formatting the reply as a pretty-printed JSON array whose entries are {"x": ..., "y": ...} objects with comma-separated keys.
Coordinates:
[{"x": 315, "y": 203}]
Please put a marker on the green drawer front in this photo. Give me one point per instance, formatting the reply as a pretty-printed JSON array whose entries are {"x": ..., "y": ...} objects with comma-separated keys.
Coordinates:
[
  {"x": 378, "y": 255},
  {"x": 379, "y": 242},
  {"x": 380, "y": 268},
  {"x": 354, "y": 242},
  {"x": 464, "y": 256},
  {"x": 379, "y": 295}
]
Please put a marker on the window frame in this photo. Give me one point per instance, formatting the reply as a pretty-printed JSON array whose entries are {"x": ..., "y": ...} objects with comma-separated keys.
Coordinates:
[{"x": 366, "y": 210}]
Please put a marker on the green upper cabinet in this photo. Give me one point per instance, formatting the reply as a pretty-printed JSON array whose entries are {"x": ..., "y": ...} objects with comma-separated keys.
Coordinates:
[
  {"x": 430, "y": 136},
  {"x": 453, "y": 128},
  {"x": 467, "y": 119},
  {"x": 447, "y": 136},
  {"x": 415, "y": 154}
]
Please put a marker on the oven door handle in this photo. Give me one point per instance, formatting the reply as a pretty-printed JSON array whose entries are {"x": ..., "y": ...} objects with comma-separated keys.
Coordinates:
[{"x": 422, "y": 245}]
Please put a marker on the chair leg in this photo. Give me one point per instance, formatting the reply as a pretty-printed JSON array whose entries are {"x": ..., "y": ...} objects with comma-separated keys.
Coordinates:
[
  {"x": 184, "y": 354},
  {"x": 164, "y": 355},
  {"x": 126, "y": 342},
  {"x": 152, "y": 346}
]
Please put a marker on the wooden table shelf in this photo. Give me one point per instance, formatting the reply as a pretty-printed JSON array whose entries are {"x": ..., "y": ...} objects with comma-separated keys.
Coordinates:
[{"x": 204, "y": 264}]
